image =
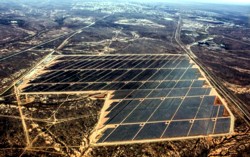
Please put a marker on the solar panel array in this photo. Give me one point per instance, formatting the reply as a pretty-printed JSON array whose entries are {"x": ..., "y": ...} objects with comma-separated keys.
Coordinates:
[{"x": 153, "y": 96}]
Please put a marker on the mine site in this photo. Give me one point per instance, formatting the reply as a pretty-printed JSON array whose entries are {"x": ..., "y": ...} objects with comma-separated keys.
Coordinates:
[{"x": 124, "y": 78}]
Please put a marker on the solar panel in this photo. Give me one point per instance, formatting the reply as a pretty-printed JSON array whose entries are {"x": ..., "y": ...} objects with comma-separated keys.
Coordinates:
[{"x": 152, "y": 97}]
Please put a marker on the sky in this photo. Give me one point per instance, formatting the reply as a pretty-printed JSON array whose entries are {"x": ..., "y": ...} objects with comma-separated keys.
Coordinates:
[
  {"x": 241, "y": 2},
  {"x": 227, "y": 1}
]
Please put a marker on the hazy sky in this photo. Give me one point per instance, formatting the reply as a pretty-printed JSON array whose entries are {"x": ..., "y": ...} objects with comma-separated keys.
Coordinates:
[
  {"x": 227, "y": 1},
  {"x": 204, "y": 1}
]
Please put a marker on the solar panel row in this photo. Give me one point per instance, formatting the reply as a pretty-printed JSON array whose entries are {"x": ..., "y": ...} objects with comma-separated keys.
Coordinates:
[
  {"x": 123, "y": 57},
  {"x": 150, "y": 110},
  {"x": 104, "y": 82},
  {"x": 74, "y": 76},
  {"x": 153, "y": 62},
  {"x": 161, "y": 130}
]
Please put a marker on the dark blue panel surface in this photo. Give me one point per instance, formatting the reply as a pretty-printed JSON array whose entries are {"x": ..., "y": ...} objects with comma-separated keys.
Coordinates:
[
  {"x": 123, "y": 105},
  {"x": 222, "y": 126},
  {"x": 151, "y": 131},
  {"x": 168, "y": 84},
  {"x": 138, "y": 94},
  {"x": 122, "y": 94},
  {"x": 179, "y": 92},
  {"x": 177, "y": 129},
  {"x": 143, "y": 111},
  {"x": 202, "y": 127},
  {"x": 191, "y": 74},
  {"x": 166, "y": 110},
  {"x": 160, "y": 74},
  {"x": 159, "y": 93},
  {"x": 124, "y": 133},
  {"x": 149, "y": 85},
  {"x": 198, "y": 91},
  {"x": 132, "y": 85},
  {"x": 113, "y": 86},
  {"x": 207, "y": 108},
  {"x": 188, "y": 108},
  {"x": 183, "y": 84}
]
